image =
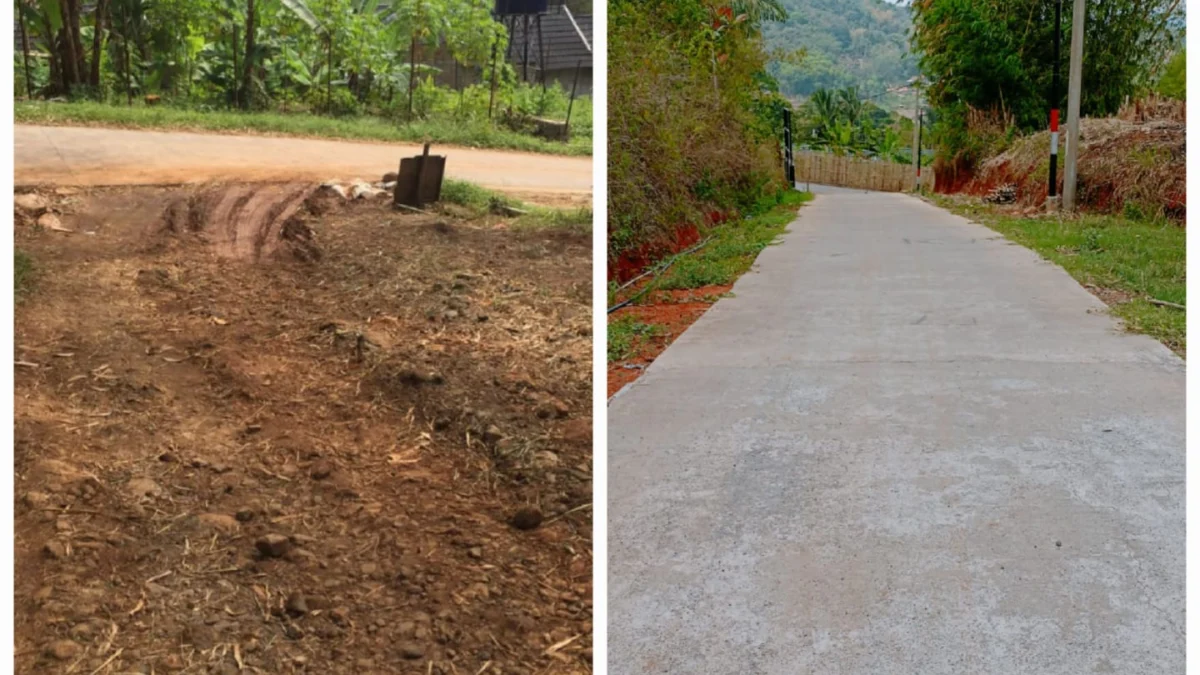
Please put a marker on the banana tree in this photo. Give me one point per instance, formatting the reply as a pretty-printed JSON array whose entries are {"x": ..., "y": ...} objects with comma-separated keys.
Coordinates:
[{"x": 301, "y": 10}]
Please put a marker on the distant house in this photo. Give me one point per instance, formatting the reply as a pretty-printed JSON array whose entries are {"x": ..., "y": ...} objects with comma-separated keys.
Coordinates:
[{"x": 552, "y": 54}]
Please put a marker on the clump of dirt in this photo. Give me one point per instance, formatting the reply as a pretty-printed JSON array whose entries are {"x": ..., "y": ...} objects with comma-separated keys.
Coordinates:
[{"x": 232, "y": 460}]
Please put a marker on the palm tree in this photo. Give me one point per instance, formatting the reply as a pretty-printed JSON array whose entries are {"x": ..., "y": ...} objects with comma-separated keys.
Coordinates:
[
  {"x": 757, "y": 11},
  {"x": 824, "y": 112},
  {"x": 850, "y": 104}
]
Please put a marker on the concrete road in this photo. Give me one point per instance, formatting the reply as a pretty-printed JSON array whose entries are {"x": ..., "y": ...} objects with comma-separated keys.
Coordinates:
[
  {"x": 904, "y": 446},
  {"x": 93, "y": 156}
]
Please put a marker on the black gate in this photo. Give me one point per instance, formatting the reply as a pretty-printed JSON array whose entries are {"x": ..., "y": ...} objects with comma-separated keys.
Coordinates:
[{"x": 789, "y": 161}]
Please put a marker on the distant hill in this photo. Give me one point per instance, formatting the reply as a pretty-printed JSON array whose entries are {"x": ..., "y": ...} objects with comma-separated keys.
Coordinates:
[{"x": 848, "y": 43}]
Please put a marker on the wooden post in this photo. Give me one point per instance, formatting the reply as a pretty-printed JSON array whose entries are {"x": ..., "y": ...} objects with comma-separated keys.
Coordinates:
[
  {"x": 571, "y": 103},
  {"x": 492, "y": 97},
  {"x": 421, "y": 174},
  {"x": 525, "y": 58},
  {"x": 541, "y": 53}
]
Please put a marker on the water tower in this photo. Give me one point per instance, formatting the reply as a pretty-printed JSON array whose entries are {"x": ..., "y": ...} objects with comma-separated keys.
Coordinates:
[{"x": 527, "y": 15}]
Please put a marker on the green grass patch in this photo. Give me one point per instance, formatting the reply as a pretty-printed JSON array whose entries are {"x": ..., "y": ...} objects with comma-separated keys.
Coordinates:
[
  {"x": 484, "y": 201},
  {"x": 733, "y": 247},
  {"x": 22, "y": 273},
  {"x": 573, "y": 219},
  {"x": 467, "y": 133},
  {"x": 473, "y": 196},
  {"x": 626, "y": 333},
  {"x": 1143, "y": 258}
]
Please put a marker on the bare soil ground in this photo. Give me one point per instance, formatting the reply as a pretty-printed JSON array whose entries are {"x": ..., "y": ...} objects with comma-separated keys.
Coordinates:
[{"x": 319, "y": 443}]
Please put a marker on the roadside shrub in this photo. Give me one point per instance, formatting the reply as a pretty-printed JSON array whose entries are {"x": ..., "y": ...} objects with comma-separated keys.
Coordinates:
[{"x": 692, "y": 119}]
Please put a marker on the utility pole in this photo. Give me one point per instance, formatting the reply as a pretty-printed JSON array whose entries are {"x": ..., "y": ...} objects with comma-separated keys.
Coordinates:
[
  {"x": 1074, "y": 89},
  {"x": 916, "y": 151},
  {"x": 1052, "y": 188},
  {"x": 920, "y": 128}
]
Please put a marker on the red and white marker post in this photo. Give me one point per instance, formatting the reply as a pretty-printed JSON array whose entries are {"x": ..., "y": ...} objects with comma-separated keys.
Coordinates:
[{"x": 1052, "y": 189}]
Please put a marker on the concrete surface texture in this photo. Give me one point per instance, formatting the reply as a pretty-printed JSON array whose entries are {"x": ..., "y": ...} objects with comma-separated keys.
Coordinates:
[
  {"x": 93, "y": 156},
  {"x": 905, "y": 445}
]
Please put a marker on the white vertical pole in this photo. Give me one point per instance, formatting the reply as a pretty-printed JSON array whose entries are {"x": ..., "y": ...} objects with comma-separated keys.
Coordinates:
[{"x": 1074, "y": 90}]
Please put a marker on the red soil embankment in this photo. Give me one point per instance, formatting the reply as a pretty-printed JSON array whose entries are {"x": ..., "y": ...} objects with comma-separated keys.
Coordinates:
[{"x": 1122, "y": 163}]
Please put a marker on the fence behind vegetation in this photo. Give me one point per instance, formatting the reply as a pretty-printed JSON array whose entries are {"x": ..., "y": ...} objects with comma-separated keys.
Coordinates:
[{"x": 853, "y": 172}]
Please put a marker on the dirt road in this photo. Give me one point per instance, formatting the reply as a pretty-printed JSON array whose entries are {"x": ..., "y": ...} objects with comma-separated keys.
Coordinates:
[{"x": 89, "y": 156}]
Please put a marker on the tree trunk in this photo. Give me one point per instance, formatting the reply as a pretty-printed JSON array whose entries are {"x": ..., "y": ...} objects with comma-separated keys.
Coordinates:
[
  {"x": 236, "y": 69},
  {"x": 248, "y": 78},
  {"x": 77, "y": 41},
  {"x": 412, "y": 59},
  {"x": 67, "y": 52},
  {"x": 125, "y": 53},
  {"x": 97, "y": 44},
  {"x": 25, "y": 50},
  {"x": 412, "y": 73},
  {"x": 56, "y": 72}
]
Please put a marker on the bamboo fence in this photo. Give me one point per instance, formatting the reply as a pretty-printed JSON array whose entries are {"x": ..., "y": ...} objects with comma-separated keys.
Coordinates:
[{"x": 853, "y": 172}]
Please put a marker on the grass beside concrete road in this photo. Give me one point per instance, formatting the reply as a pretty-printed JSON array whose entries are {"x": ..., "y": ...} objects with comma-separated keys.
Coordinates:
[
  {"x": 1129, "y": 261},
  {"x": 625, "y": 333},
  {"x": 477, "y": 134},
  {"x": 731, "y": 250},
  {"x": 733, "y": 247}
]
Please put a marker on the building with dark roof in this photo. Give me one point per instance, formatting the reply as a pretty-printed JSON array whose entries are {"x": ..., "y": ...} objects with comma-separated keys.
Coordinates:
[{"x": 553, "y": 50}]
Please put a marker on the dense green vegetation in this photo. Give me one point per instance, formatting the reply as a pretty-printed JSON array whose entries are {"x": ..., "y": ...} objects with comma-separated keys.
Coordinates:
[
  {"x": 694, "y": 118},
  {"x": 337, "y": 58},
  {"x": 842, "y": 122},
  {"x": 1141, "y": 259},
  {"x": 845, "y": 43},
  {"x": 990, "y": 62}
]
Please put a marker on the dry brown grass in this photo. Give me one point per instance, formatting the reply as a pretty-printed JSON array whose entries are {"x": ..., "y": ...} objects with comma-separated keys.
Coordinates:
[{"x": 1139, "y": 168}]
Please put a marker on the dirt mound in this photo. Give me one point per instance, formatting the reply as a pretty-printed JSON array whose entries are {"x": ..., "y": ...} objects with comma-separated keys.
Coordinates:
[
  {"x": 254, "y": 221},
  {"x": 322, "y": 466},
  {"x": 1122, "y": 166}
]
